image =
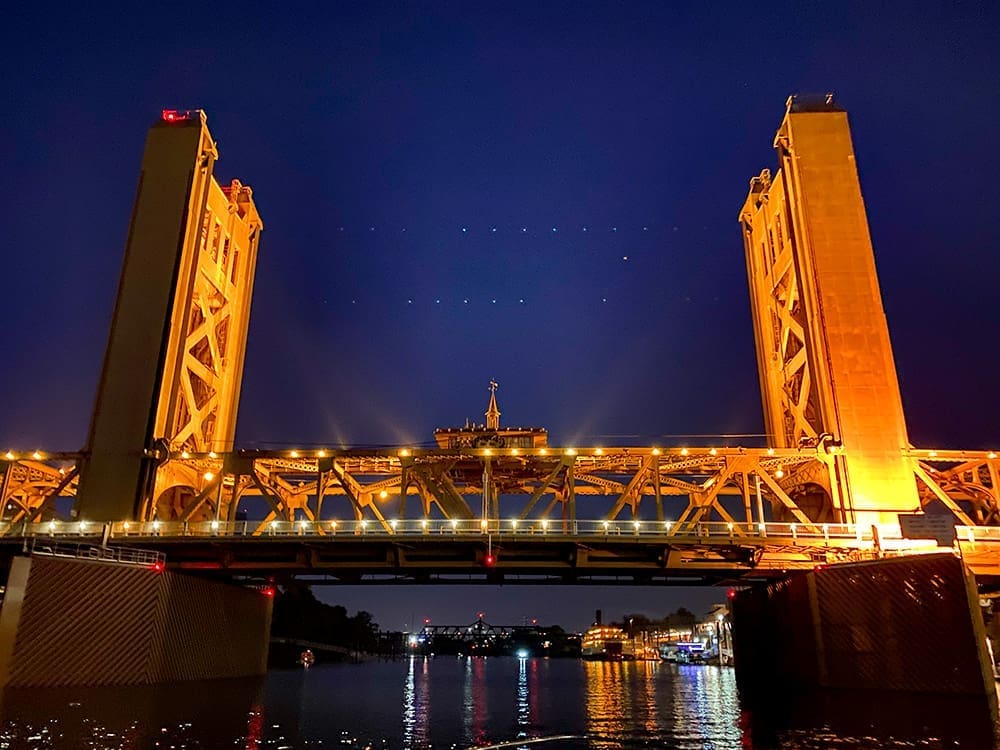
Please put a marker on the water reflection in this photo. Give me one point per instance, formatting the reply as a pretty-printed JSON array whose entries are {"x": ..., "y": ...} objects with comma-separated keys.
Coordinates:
[
  {"x": 134, "y": 717},
  {"x": 705, "y": 706},
  {"x": 425, "y": 703},
  {"x": 607, "y": 700},
  {"x": 416, "y": 706},
  {"x": 817, "y": 720},
  {"x": 474, "y": 705},
  {"x": 523, "y": 701}
]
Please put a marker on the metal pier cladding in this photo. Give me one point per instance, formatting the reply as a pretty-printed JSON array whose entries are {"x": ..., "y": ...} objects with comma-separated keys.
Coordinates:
[{"x": 837, "y": 504}]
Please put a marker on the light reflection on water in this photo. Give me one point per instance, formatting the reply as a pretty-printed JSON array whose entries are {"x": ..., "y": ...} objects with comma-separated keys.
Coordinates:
[{"x": 451, "y": 703}]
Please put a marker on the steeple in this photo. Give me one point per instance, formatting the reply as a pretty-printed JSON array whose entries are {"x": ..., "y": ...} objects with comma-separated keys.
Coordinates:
[{"x": 492, "y": 412}]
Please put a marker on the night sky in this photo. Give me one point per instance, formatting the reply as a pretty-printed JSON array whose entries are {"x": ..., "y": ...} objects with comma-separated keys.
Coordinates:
[{"x": 541, "y": 193}]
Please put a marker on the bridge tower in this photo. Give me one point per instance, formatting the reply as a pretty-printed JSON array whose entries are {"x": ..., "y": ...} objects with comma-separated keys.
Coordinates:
[
  {"x": 825, "y": 361},
  {"x": 174, "y": 361}
]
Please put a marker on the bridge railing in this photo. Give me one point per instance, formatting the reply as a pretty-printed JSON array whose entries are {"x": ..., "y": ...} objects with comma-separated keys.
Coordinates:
[
  {"x": 974, "y": 534},
  {"x": 514, "y": 528},
  {"x": 85, "y": 551}
]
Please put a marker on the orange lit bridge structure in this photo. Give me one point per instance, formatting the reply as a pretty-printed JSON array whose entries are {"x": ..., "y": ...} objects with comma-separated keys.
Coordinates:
[
  {"x": 837, "y": 482},
  {"x": 529, "y": 515},
  {"x": 834, "y": 483}
]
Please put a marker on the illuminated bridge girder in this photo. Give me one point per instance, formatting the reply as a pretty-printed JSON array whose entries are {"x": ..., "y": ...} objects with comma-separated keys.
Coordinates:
[{"x": 677, "y": 484}]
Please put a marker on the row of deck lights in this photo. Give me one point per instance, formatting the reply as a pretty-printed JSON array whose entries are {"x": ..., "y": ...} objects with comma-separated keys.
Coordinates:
[
  {"x": 406, "y": 452},
  {"x": 11, "y": 456},
  {"x": 453, "y": 523}
]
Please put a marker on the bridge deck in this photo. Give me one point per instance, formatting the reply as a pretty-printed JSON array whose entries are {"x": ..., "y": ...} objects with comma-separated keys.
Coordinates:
[{"x": 454, "y": 551}]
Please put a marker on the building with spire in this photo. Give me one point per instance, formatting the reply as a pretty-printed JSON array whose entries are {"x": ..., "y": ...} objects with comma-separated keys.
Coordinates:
[
  {"x": 491, "y": 434},
  {"x": 492, "y": 411}
]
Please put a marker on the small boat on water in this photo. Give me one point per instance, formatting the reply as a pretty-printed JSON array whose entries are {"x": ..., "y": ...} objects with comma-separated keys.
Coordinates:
[{"x": 306, "y": 658}]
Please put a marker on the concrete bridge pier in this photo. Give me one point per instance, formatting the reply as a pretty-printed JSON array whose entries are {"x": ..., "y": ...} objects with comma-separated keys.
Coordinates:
[
  {"x": 77, "y": 622},
  {"x": 901, "y": 625}
]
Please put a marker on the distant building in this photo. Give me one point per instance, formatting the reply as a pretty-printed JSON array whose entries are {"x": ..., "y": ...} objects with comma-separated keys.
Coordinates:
[{"x": 491, "y": 434}]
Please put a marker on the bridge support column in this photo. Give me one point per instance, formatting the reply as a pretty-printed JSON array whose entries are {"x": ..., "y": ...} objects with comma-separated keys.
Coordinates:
[
  {"x": 909, "y": 624},
  {"x": 73, "y": 622}
]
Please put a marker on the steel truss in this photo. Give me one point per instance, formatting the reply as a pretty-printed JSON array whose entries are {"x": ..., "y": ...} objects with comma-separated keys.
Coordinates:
[{"x": 741, "y": 486}]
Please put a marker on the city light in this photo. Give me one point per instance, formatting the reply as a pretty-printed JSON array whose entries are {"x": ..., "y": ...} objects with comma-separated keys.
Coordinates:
[{"x": 522, "y": 653}]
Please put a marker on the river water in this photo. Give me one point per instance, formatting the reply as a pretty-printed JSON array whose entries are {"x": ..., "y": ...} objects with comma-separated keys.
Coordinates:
[{"x": 462, "y": 702}]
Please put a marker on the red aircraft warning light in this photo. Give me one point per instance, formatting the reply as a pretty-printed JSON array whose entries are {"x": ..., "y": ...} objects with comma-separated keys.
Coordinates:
[
  {"x": 268, "y": 591},
  {"x": 178, "y": 115},
  {"x": 490, "y": 561},
  {"x": 158, "y": 566}
]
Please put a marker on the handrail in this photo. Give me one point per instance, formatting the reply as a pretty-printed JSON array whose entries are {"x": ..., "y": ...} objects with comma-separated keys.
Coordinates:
[
  {"x": 83, "y": 551},
  {"x": 533, "y": 529}
]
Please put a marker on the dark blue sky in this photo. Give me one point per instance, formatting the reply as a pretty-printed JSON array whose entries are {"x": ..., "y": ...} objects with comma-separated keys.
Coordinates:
[{"x": 354, "y": 123}]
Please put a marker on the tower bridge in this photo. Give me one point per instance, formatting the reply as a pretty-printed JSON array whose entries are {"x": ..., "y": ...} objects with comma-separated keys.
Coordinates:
[{"x": 837, "y": 482}]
